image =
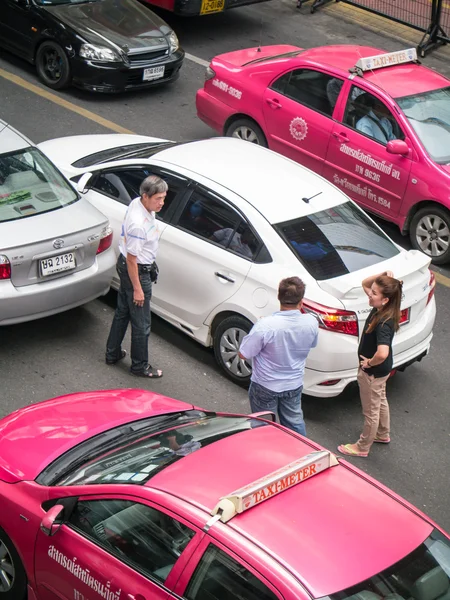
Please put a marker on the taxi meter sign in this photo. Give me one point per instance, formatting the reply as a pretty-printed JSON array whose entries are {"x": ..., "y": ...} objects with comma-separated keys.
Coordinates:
[
  {"x": 274, "y": 483},
  {"x": 386, "y": 60}
]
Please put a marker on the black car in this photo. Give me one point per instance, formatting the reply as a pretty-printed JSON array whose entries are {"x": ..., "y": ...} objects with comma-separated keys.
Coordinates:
[{"x": 99, "y": 45}]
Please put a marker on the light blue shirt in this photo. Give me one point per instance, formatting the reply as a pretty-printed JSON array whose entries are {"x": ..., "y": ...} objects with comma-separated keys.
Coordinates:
[
  {"x": 369, "y": 125},
  {"x": 279, "y": 345}
]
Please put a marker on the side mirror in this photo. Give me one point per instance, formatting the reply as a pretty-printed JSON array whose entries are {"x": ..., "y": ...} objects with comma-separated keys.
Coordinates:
[
  {"x": 268, "y": 415},
  {"x": 397, "y": 147},
  {"x": 52, "y": 520},
  {"x": 82, "y": 186}
]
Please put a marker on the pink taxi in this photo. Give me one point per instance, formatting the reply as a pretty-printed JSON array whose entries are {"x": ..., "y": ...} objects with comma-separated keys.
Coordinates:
[
  {"x": 130, "y": 495},
  {"x": 376, "y": 125}
]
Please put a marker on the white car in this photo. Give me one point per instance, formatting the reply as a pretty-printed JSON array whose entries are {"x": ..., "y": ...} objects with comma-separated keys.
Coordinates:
[{"x": 237, "y": 219}]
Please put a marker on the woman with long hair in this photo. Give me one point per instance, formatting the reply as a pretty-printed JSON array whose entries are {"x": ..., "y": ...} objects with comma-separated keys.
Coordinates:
[{"x": 375, "y": 361}]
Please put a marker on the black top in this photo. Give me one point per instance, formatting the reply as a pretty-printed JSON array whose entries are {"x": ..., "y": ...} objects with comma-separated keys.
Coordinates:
[{"x": 381, "y": 335}]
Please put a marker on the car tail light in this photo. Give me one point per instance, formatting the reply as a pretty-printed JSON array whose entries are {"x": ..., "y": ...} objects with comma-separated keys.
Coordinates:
[
  {"x": 404, "y": 316},
  {"x": 330, "y": 382},
  {"x": 432, "y": 286},
  {"x": 209, "y": 73},
  {"x": 5, "y": 267},
  {"x": 332, "y": 319},
  {"x": 105, "y": 240}
]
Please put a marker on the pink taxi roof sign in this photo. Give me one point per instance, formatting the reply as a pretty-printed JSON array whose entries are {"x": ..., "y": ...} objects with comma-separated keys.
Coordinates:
[
  {"x": 389, "y": 59},
  {"x": 256, "y": 492}
]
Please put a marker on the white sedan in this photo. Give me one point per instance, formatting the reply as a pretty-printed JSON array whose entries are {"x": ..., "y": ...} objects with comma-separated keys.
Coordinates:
[{"x": 237, "y": 219}]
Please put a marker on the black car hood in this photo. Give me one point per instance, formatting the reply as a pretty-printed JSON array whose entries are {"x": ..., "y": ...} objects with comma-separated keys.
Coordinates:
[{"x": 112, "y": 23}]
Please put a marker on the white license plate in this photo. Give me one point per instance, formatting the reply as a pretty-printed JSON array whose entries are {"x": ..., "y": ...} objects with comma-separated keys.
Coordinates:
[
  {"x": 56, "y": 264},
  {"x": 153, "y": 73}
]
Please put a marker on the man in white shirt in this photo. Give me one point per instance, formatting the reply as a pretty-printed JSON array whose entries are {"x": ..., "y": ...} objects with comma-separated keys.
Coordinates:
[
  {"x": 376, "y": 123},
  {"x": 137, "y": 271}
]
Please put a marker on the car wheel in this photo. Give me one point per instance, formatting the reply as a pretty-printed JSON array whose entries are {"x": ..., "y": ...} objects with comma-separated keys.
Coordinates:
[
  {"x": 247, "y": 130},
  {"x": 430, "y": 233},
  {"x": 13, "y": 579},
  {"x": 53, "y": 65},
  {"x": 227, "y": 340}
]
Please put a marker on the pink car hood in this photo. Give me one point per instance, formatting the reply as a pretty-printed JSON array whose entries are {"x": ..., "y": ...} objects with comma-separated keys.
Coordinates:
[{"x": 33, "y": 437}]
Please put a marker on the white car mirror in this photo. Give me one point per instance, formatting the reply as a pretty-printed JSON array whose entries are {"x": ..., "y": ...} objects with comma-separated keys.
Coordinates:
[{"x": 82, "y": 183}]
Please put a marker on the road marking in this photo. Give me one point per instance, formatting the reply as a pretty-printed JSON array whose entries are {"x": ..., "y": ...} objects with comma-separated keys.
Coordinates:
[
  {"x": 196, "y": 59},
  {"x": 442, "y": 279},
  {"x": 87, "y": 114}
]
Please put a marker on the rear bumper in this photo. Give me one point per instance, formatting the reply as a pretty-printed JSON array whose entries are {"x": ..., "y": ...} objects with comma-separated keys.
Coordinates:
[
  {"x": 188, "y": 8},
  {"x": 313, "y": 379},
  {"x": 39, "y": 300},
  {"x": 212, "y": 111}
]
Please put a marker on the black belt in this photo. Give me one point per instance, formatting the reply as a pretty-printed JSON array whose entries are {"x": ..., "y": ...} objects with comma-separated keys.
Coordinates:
[{"x": 142, "y": 266}]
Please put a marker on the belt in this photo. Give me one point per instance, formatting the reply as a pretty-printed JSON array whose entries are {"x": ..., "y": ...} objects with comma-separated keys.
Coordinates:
[{"x": 144, "y": 266}]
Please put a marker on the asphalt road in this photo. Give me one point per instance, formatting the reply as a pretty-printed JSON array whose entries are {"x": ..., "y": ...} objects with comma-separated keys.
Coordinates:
[{"x": 65, "y": 353}]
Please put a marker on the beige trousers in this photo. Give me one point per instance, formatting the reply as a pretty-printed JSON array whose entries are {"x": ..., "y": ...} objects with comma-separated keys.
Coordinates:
[{"x": 375, "y": 409}]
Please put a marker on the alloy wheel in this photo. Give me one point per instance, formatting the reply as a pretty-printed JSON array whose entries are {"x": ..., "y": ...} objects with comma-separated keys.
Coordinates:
[
  {"x": 52, "y": 64},
  {"x": 6, "y": 569},
  {"x": 433, "y": 235},
  {"x": 246, "y": 133},
  {"x": 230, "y": 342}
]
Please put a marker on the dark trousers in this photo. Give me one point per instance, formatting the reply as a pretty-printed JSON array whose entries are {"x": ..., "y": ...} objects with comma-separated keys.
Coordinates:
[{"x": 126, "y": 312}]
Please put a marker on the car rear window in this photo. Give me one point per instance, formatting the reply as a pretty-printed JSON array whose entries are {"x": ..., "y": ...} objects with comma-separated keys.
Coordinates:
[
  {"x": 141, "y": 150},
  {"x": 336, "y": 241},
  {"x": 31, "y": 185},
  {"x": 137, "y": 462}
]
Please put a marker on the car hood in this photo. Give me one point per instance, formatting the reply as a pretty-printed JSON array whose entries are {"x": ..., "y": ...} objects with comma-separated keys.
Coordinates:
[
  {"x": 33, "y": 437},
  {"x": 114, "y": 23}
]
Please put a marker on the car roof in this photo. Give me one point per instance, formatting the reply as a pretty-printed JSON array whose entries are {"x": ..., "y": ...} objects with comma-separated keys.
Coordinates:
[
  {"x": 314, "y": 528},
  {"x": 394, "y": 80},
  {"x": 11, "y": 140},
  {"x": 271, "y": 183}
]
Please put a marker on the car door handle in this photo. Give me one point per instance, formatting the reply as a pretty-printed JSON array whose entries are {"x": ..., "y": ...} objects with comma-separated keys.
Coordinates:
[
  {"x": 273, "y": 102},
  {"x": 222, "y": 276},
  {"x": 342, "y": 137}
]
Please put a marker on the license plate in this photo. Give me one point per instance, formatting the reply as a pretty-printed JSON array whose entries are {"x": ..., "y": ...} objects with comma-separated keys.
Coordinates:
[
  {"x": 153, "y": 73},
  {"x": 212, "y": 6},
  {"x": 57, "y": 264}
]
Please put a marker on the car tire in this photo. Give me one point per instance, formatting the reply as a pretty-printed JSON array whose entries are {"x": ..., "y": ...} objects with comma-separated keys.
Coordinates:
[
  {"x": 13, "y": 579},
  {"x": 227, "y": 340},
  {"x": 430, "y": 233},
  {"x": 53, "y": 66},
  {"x": 247, "y": 130}
]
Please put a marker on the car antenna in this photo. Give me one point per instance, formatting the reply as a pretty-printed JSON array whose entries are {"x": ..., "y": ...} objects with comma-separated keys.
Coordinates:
[
  {"x": 311, "y": 197},
  {"x": 260, "y": 36}
]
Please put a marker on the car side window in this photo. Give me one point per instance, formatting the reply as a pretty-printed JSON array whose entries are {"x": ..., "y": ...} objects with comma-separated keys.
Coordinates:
[
  {"x": 216, "y": 221},
  {"x": 219, "y": 577},
  {"x": 370, "y": 116},
  {"x": 145, "y": 538},
  {"x": 123, "y": 185},
  {"x": 314, "y": 89}
]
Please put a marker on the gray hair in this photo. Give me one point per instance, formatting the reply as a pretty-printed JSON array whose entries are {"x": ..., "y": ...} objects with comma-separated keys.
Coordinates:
[{"x": 153, "y": 185}]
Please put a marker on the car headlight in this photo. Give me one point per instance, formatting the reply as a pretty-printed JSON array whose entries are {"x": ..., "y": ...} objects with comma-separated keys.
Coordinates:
[
  {"x": 173, "y": 42},
  {"x": 99, "y": 53}
]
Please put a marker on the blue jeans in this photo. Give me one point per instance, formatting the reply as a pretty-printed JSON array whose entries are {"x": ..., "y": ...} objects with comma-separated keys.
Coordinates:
[
  {"x": 288, "y": 405},
  {"x": 126, "y": 312}
]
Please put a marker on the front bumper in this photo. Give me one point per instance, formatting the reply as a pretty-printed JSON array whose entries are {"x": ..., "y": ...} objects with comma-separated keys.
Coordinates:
[
  {"x": 29, "y": 302},
  {"x": 313, "y": 379},
  {"x": 114, "y": 78}
]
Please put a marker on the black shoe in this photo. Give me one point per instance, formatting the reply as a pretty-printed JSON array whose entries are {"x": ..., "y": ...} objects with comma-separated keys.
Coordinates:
[
  {"x": 148, "y": 372},
  {"x": 108, "y": 361}
]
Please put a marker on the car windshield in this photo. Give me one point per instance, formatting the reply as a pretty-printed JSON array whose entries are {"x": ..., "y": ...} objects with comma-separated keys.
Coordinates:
[
  {"x": 429, "y": 115},
  {"x": 336, "y": 241},
  {"x": 31, "y": 185},
  {"x": 137, "y": 461},
  {"x": 422, "y": 575}
]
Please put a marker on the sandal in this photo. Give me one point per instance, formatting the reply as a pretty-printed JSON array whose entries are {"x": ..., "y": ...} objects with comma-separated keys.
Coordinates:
[
  {"x": 349, "y": 451},
  {"x": 148, "y": 372},
  {"x": 108, "y": 361},
  {"x": 382, "y": 440}
]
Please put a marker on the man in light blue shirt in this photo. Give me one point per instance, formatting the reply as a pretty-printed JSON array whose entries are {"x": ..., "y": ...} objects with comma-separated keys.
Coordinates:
[
  {"x": 279, "y": 345},
  {"x": 376, "y": 123}
]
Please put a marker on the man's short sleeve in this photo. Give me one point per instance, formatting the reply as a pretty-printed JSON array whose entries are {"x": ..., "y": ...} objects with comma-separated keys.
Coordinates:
[
  {"x": 253, "y": 342},
  {"x": 385, "y": 333},
  {"x": 134, "y": 240}
]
